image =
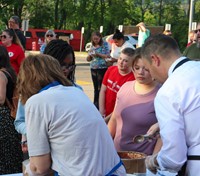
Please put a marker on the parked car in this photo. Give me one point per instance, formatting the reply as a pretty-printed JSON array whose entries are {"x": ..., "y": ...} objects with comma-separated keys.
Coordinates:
[
  {"x": 130, "y": 38},
  {"x": 35, "y": 38}
]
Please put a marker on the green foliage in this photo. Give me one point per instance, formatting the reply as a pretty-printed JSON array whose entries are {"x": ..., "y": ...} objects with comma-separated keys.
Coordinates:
[
  {"x": 197, "y": 11},
  {"x": 74, "y": 14},
  {"x": 39, "y": 13},
  {"x": 180, "y": 33},
  {"x": 149, "y": 19}
]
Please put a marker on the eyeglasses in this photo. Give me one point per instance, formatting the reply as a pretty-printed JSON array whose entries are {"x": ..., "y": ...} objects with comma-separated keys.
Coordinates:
[
  {"x": 49, "y": 35},
  {"x": 68, "y": 67},
  {"x": 3, "y": 36},
  {"x": 198, "y": 30}
]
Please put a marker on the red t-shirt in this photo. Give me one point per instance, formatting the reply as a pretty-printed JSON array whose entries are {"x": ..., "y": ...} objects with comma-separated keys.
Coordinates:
[
  {"x": 113, "y": 81},
  {"x": 16, "y": 55}
]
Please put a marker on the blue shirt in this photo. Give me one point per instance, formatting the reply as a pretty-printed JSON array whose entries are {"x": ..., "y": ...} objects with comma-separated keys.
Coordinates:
[
  {"x": 20, "y": 119},
  {"x": 42, "y": 48},
  {"x": 98, "y": 62}
]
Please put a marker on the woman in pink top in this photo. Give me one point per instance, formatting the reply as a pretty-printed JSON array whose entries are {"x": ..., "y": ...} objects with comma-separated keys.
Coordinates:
[
  {"x": 134, "y": 110},
  {"x": 15, "y": 50}
]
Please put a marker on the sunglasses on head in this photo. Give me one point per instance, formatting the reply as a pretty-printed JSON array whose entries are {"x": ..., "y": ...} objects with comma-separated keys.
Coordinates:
[
  {"x": 198, "y": 30},
  {"x": 49, "y": 35},
  {"x": 3, "y": 36}
]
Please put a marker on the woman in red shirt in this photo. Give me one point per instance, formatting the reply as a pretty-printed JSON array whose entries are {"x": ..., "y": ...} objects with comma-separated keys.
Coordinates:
[{"x": 15, "y": 50}]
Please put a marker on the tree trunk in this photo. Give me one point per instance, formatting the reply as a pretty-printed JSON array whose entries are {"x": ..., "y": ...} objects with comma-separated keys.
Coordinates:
[
  {"x": 56, "y": 14},
  {"x": 160, "y": 13}
]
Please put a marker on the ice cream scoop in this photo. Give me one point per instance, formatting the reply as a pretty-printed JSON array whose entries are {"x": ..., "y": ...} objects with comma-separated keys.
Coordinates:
[{"x": 142, "y": 138}]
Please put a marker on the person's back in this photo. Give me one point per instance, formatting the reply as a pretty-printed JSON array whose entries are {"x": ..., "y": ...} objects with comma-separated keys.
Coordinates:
[
  {"x": 86, "y": 134},
  {"x": 192, "y": 51},
  {"x": 73, "y": 134}
]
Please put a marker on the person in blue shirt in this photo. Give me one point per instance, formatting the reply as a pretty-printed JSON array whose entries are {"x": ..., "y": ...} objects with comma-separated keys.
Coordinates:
[
  {"x": 49, "y": 36},
  {"x": 98, "y": 65}
]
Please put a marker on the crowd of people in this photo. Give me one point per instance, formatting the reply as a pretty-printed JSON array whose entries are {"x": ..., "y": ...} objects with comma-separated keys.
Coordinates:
[
  {"x": 148, "y": 90},
  {"x": 134, "y": 109}
]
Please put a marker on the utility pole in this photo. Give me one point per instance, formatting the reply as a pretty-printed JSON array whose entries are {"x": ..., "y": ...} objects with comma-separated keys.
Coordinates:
[
  {"x": 82, "y": 32},
  {"x": 191, "y": 16}
]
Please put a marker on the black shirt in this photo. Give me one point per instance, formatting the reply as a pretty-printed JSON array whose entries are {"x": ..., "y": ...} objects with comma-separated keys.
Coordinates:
[{"x": 21, "y": 37}]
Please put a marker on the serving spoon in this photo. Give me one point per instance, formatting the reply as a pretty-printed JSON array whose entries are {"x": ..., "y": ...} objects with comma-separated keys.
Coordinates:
[{"x": 141, "y": 138}]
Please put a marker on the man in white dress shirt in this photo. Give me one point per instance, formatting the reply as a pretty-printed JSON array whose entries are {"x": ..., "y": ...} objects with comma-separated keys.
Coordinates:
[{"x": 177, "y": 106}]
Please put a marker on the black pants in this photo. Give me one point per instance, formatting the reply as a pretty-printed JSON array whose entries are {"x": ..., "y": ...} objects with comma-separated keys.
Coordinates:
[{"x": 97, "y": 78}]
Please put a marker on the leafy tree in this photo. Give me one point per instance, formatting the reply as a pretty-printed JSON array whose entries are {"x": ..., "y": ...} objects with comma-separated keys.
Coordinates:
[
  {"x": 149, "y": 18},
  {"x": 197, "y": 11},
  {"x": 40, "y": 13},
  {"x": 91, "y": 14}
]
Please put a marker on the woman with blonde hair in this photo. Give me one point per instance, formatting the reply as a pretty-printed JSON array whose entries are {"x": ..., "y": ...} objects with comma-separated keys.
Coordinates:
[
  {"x": 49, "y": 36},
  {"x": 65, "y": 140},
  {"x": 15, "y": 50}
]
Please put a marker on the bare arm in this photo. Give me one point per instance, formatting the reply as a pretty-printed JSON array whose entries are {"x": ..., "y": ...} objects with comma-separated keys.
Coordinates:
[
  {"x": 113, "y": 60},
  {"x": 142, "y": 28},
  {"x": 3, "y": 83},
  {"x": 103, "y": 56},
  {"x": 153, "y": 132},
  {"x": 153, "y": 129},
  {"x": 107, "y": 118},
  {"x": 157, "y": 146},
  {"x": 40, "y": 165},
  {"x": 112, "y": 125},
  {"x": 102, "y": 99},
  {"x": 89, "y": 58}
]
